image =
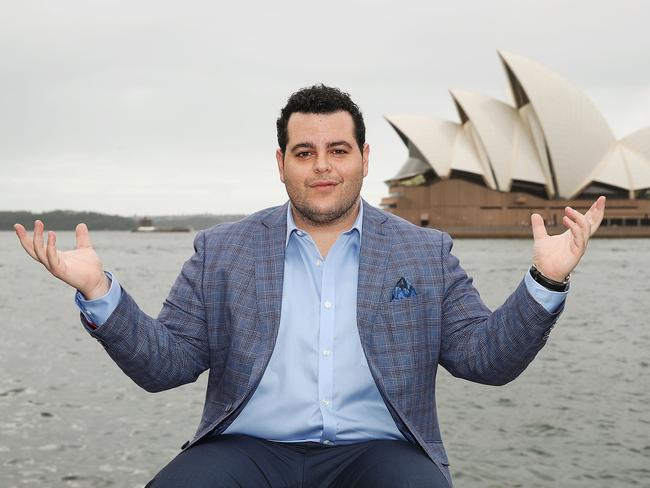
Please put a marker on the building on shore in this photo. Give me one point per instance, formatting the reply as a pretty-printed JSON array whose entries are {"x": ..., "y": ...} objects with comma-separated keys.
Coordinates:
[
  {"x": 146, "y": 225},
  {"x": 485, "y": 175}
]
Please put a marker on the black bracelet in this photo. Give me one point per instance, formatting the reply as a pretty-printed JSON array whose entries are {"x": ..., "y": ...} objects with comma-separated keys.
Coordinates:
[{"x": 548, "y": 282}]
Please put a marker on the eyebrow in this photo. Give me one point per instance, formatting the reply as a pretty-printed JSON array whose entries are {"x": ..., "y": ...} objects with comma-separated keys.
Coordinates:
[
  {"x": 311, "y": 145},
  {"x": 303, "y": 145},
  {"x": 340, "y": 143}
]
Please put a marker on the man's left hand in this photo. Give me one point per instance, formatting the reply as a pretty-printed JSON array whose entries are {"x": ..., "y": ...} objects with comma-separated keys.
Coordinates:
[{"x": 556, "y": 256}]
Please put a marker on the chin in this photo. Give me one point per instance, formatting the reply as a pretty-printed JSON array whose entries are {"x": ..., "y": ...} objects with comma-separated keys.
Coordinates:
[
  {"x": 322, "y": 205},
  {"x": 322, "y": 211}
]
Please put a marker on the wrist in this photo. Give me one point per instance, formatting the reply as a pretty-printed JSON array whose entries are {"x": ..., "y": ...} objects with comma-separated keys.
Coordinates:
[
  {"x": 549, "y": 283},
  {"x": 99, "y": 290}
]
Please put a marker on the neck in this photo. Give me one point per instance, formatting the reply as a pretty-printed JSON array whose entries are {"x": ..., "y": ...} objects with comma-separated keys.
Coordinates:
[{"x": 325, "y": 234}]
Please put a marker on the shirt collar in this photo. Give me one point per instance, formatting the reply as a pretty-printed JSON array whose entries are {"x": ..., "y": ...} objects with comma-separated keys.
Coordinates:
[{"x": 291, "y": 224}]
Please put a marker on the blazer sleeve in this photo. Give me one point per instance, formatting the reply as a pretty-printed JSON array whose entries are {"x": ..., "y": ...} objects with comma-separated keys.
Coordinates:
[
  {"x": 483, "y": 346},
  {"x": 167, "y": 351}
]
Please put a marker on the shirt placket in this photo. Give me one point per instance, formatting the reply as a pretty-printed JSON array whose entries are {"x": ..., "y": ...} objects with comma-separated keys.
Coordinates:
[{"x": 326, "y": 353}]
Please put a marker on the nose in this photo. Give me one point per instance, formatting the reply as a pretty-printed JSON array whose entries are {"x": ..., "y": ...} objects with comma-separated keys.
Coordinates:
[{"x": 322, "y": 164}]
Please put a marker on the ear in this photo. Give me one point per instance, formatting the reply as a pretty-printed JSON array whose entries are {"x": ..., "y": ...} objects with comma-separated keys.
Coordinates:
[
  {"x": 279, "y": 156},
  {"x": 365, "y": 153}
]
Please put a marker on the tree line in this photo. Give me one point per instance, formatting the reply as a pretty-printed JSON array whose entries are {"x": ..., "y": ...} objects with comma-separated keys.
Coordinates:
[{"x": 68, "y": 220}]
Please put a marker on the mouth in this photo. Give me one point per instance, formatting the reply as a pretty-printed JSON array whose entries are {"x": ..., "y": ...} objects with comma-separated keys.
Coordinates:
[{"x": 323, "y": 184}]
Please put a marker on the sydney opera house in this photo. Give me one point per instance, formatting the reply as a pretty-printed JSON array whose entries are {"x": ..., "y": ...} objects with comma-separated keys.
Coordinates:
[{"x": 485, "y": 175}]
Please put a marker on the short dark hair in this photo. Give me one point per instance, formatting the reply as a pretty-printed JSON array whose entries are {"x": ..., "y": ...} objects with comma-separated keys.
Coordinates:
[{"x": 320, "y": 99}]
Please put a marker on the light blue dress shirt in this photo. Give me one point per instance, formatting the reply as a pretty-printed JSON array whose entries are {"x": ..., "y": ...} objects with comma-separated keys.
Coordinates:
[{"x": 317, "y": 386}]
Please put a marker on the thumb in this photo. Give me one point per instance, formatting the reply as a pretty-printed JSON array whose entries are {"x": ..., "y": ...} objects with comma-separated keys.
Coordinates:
[
  {"x": 83, "y": 238},
  {"x": 537, "y": 223}
]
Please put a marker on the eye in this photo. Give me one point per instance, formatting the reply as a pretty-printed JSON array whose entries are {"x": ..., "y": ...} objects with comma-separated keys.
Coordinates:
[
  {"x": 303, "y": 154},
  {"x": 339, "y": 152}
]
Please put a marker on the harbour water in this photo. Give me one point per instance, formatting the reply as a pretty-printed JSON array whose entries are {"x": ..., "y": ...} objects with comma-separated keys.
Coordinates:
[{"x": 579, "y": 416}]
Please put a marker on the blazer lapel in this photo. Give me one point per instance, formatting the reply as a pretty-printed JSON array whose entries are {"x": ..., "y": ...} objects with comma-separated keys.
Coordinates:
[
  {"x": 373, "y": 258},
  {"x": 269, "y": 274}
]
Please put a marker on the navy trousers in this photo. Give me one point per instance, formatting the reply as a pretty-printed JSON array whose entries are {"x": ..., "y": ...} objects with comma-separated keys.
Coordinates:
[{"x": 231, "y": 460}]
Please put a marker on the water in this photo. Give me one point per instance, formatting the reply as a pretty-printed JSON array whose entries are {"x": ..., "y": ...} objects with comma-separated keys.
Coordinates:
[{"x": 578, "y": 416}]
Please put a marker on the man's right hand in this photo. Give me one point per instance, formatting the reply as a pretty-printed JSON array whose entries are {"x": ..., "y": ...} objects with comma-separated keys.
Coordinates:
[{"x": 80, "y": 268}]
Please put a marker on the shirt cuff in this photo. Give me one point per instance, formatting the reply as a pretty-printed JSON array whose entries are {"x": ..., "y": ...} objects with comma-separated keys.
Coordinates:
[
  {"x": 97, "y": 311},
  {"x": 549, "y": 299}
]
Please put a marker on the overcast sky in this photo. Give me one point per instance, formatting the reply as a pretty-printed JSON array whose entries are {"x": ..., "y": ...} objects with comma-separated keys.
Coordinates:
[{"x": 160, "y": 107}]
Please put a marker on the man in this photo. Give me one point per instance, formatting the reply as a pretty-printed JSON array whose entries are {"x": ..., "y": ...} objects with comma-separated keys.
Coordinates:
[{"x": 322, "y": 322}]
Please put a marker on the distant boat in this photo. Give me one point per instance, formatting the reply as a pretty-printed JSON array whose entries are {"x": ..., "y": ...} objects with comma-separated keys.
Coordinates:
[{"x": 146, "y": 225}]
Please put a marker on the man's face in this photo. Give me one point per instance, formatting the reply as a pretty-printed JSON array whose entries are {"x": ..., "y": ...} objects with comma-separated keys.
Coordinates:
[{"x": 322, "y": 167}]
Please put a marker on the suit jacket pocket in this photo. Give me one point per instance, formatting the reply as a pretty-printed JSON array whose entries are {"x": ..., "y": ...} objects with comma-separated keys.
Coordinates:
[{"x": 406, "y": 313}]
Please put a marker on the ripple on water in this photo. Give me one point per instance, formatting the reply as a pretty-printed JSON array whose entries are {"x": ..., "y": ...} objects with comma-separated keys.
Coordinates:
[
  {"x": 539, "y": 452},
  {"x": 48, "y": 447},
  {"x": 505, "y": 402},
  {"x": 545, "y": 430},
  {"x": 12, "y": 392},
  {"x": 78, "y": 480},
  {"x": 542, "y": 475}
]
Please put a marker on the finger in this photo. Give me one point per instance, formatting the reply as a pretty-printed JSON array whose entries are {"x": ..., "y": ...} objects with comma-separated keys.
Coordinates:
[
  {"x": 596, "y": 213},
  {"x": 27, "y": 244},
  {"x": 39, "y": 247},
  {"x": 52, "y": 254},
  {"x": 83, "y": 237},
  {"x": 537, "y": 223},
  {"x": 581, "y": 220},
  {"x": 576, "y": 232}
]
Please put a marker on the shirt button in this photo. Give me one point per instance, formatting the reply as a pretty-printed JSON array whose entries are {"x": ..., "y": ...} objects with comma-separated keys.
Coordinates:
[
  {"x": 318, "y": 262},
  {"x": 300, "y": 233},
  {"x": 325, "y": 403},
  {"x": 327, "y": 352},
  {"x": 327, "y": 304}
]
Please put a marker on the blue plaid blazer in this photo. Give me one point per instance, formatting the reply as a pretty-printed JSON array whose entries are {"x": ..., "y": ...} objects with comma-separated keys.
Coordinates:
[{"x": 223, "y": 314}]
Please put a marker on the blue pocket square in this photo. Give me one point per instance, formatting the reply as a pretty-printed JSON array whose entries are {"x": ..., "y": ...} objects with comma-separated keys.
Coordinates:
[{"x": 403, "y": 289}]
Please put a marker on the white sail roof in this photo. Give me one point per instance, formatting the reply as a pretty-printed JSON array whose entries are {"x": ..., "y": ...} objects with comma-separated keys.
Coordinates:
[
  {"x": 433, "y": 138},
  {"x": 622, "y": 167},
  {"x": 504, "y": 136},
  {"x": 554, "y": 137},
  {"x": 576, "y": 134},
  {"x": 639, "y": 142},
  {"x": 465, "y": 157}
]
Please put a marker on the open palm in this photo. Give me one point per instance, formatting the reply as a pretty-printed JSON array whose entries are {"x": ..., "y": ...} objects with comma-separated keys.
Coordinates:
[
  {"x": 80, "y": 267},
  {"x": 556, "y": 256}
]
